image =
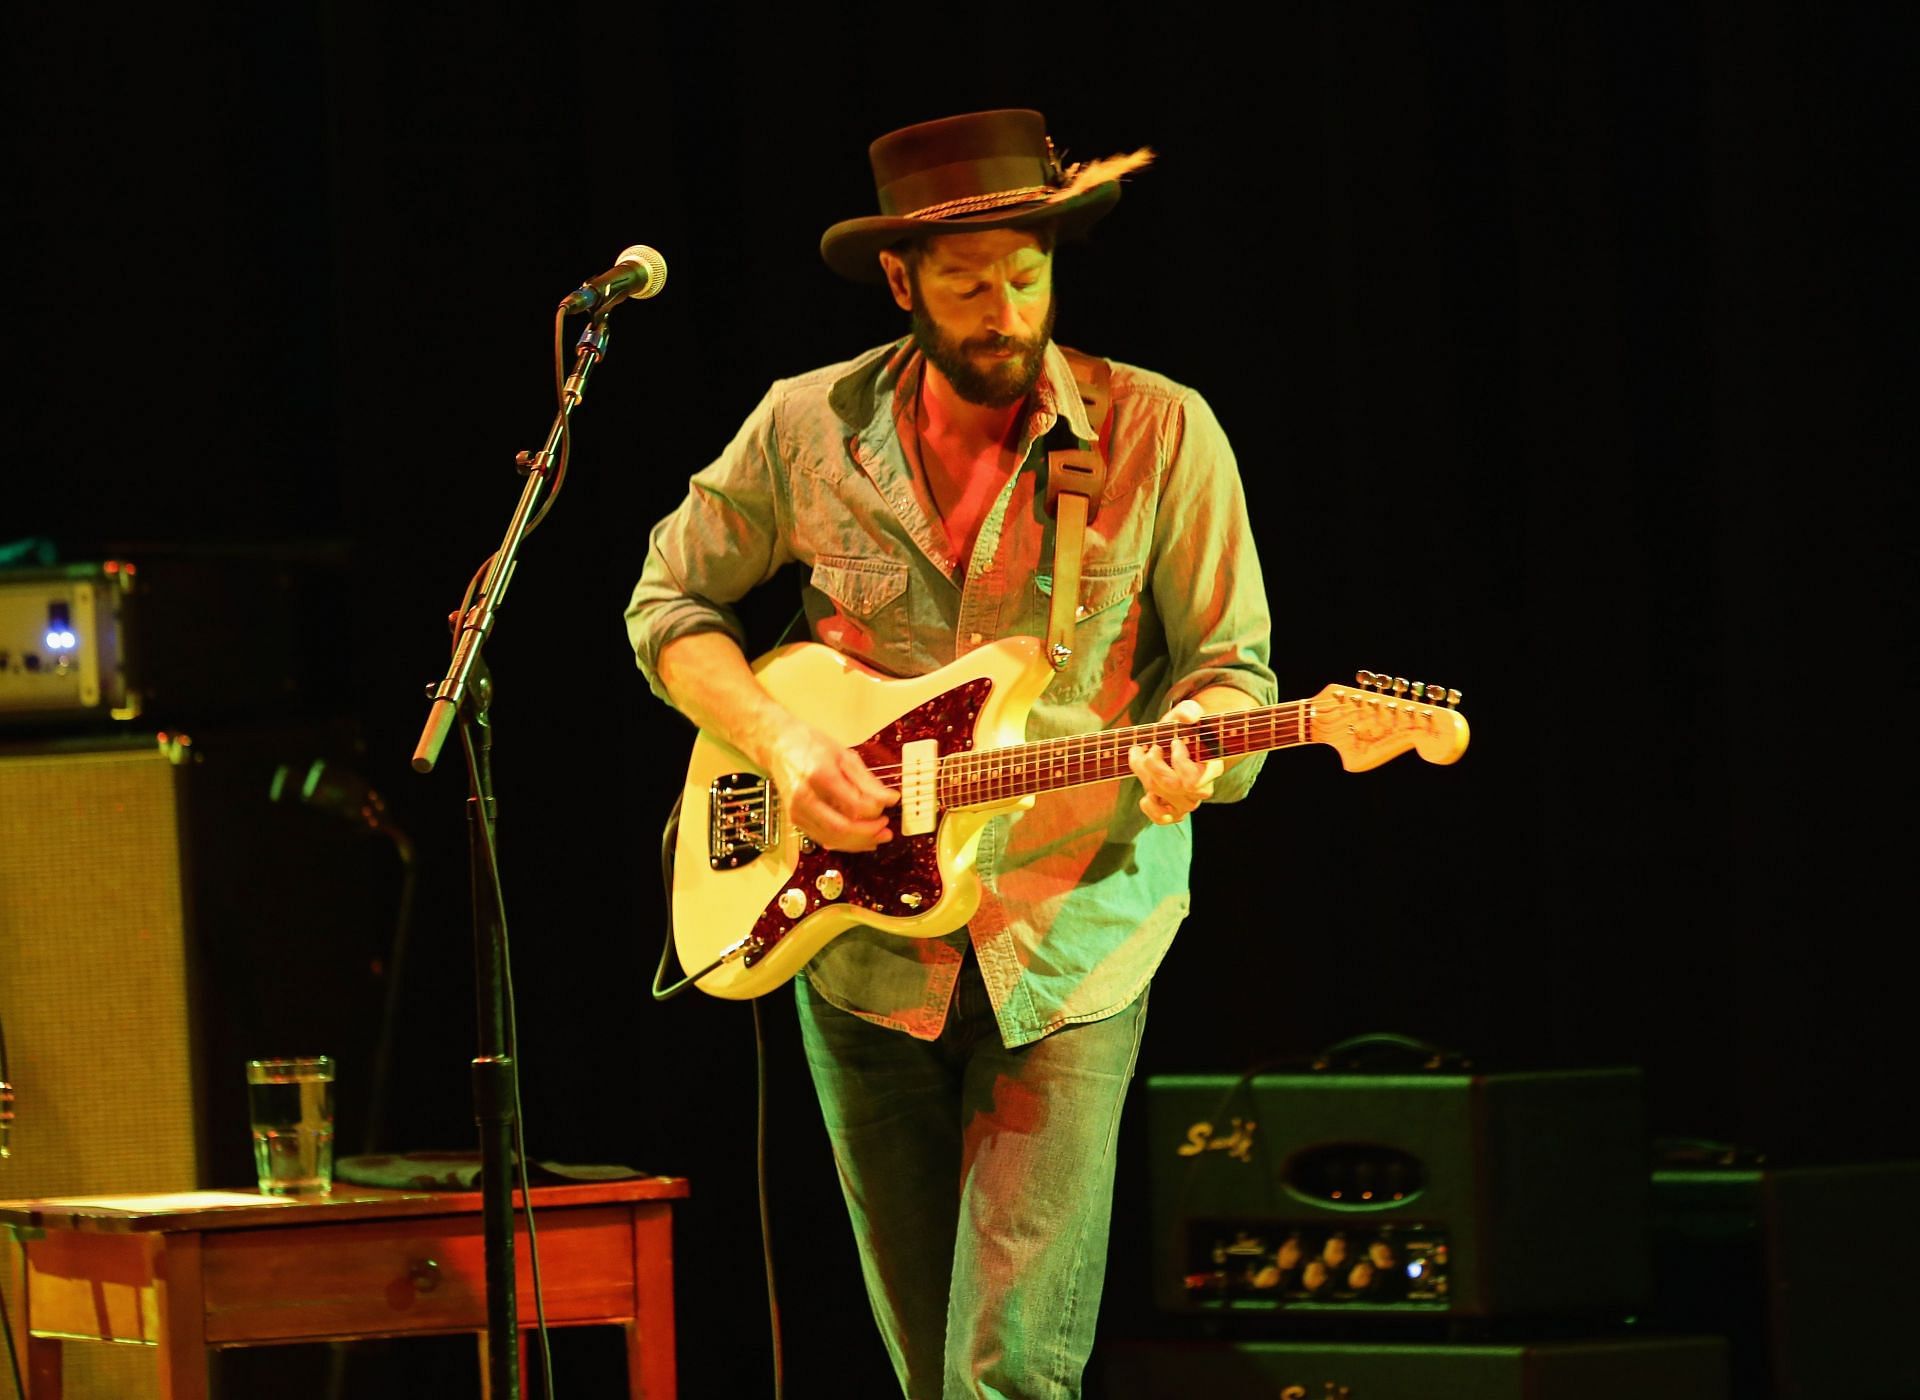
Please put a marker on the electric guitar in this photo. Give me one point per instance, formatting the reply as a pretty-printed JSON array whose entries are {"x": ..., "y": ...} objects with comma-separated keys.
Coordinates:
[{"x": 754, "y": 899}]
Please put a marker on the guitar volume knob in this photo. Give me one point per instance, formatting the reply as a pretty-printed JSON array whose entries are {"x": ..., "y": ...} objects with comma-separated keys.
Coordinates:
[
  {"x": 830, "y": 883},
  {"x": 793, "y": 902}
]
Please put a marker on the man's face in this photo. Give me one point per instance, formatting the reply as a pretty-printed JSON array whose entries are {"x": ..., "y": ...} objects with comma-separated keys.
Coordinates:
[{"x": 982, "y": 306}]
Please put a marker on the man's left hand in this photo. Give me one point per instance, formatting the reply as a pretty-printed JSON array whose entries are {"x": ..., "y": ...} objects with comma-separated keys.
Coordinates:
[{"x": 1175, "y": 784}]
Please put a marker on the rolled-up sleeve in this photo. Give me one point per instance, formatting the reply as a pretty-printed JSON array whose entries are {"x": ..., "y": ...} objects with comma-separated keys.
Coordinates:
[
  {"x": 1206, "y": 575},
  {"x": 723, "y": 540}
]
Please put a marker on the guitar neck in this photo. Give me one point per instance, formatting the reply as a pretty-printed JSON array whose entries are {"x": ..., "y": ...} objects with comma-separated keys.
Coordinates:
[{"x": 995, "y": 775}]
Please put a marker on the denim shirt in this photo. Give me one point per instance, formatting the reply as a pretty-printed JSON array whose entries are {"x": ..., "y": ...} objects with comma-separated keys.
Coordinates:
[{"x": 1081, "y": 894}]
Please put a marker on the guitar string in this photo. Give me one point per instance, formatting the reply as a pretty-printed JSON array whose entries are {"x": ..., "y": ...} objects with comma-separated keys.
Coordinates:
[
  {"x": 1107, "y": 744},
  {"x": 1278, "y": 726},
  {"x": 986, "y": 773},
  {"x": 977, "y": 774}
]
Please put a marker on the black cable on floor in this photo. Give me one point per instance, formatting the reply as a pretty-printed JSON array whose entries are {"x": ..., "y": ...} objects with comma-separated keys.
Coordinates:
[{"x": 766, "y": 1214}]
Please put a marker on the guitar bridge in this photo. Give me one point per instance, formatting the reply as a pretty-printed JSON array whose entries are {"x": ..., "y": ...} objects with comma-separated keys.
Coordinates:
[{"x": 743, "y": 819}]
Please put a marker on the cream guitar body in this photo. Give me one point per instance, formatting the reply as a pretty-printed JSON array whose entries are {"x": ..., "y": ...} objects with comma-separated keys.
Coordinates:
[{"x": 753, "y": 899}]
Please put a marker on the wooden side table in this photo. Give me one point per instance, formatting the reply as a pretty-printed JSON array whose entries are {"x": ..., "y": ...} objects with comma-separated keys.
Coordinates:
[{"x": 211, "y": 1269}]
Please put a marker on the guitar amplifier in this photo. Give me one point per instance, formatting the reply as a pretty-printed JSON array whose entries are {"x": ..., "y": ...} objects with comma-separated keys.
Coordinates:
[
  {"x": 100, "y": 999},
  {"x": 1646, "y": 1368},
  {"x": 1443, "y": 1195},
  {"x": 61, "y": 632},
  {"x": 172, "y": 639}
]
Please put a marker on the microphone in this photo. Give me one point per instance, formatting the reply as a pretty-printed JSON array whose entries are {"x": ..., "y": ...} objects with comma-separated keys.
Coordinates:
[{"x": 638, "y": 272}]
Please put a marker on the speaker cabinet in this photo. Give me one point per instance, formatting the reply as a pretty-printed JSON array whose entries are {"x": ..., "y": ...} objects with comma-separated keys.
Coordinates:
[
  {"x": 97, "y": 996},
  {"x": 1444, "y": 1195},
  {"x": 163, "y": 918},
  {"x": 1804, "y": 1268},
  {"x": 1651, "y": 1368}
]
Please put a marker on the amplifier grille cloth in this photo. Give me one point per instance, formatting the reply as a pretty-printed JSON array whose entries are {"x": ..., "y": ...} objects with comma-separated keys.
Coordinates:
[{"x": 94, "y": 993}]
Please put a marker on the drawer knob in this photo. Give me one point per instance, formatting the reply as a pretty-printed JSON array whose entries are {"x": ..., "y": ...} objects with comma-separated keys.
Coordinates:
[{"x": 425, "y": 1274}]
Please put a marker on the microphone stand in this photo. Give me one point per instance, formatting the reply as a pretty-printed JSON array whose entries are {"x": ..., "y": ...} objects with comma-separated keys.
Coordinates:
[{"x": 463, "y": 697}]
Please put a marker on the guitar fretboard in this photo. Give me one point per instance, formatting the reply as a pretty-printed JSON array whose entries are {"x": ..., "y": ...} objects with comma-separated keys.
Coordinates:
[{"x": 996, "y": 775}]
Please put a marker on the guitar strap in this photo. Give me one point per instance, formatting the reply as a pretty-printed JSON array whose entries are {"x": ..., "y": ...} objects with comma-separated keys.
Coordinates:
[{"x": 1076, "y": 475}]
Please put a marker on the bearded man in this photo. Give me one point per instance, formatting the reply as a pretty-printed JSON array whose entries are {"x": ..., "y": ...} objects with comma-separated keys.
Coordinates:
[{"x": 972, "y": 1083}]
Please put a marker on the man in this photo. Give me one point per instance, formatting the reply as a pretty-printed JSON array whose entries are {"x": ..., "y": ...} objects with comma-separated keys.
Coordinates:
[{"x": 972, "y": 1083}]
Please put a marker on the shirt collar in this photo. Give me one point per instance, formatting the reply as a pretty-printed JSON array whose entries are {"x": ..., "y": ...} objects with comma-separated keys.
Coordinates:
[
  {"x": 862, "y": 397},
  {"x": 1056, "y": 396}
]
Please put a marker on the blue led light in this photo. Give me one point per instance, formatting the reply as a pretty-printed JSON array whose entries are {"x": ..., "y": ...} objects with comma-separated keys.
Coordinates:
[
  {"x": 1415, "y": 1269},
  {"x": 61, "y": 640}
]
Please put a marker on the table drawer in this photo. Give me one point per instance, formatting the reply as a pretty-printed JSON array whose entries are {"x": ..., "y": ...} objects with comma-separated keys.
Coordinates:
[{"x": 392, "y": 1276}]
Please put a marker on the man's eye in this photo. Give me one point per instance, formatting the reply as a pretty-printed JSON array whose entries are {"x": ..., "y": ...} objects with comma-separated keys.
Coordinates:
[{"x": 1022, "y": 287}]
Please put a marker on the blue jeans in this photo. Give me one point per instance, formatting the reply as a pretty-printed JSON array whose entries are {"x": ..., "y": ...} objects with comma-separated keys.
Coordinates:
[{"x": 980, "y": 1182}]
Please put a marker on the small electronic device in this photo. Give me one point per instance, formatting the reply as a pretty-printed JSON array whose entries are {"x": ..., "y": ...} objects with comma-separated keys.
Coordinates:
[{"x": 61, "y": 638}]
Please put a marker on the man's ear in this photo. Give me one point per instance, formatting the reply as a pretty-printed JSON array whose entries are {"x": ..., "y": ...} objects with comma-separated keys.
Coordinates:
[{"x": 898, "y": 283}]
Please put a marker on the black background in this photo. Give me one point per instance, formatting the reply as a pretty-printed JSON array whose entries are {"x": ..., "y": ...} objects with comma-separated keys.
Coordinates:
[{"x": 1559, "y": 346}]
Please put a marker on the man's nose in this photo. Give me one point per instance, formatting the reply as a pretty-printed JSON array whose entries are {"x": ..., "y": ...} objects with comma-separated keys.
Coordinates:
[{"x": 998, "y": 311}]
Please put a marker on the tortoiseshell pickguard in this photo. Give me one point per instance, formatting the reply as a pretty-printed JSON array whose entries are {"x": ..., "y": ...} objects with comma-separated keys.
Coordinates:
[{"x": 902, "y": 876}]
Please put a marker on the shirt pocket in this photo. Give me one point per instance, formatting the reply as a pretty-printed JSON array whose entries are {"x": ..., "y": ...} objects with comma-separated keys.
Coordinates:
[
  {"x": 859, "y": 606},
  {"x": 1103, "y": 630}
]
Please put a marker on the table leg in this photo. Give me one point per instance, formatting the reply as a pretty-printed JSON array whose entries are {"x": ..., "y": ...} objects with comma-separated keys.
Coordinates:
[
  {"x": 39, "y": 1357},
  {"x": 44, "y": 1379},
  {"x": 182, "y": 1320},
  {"x": 651, "y": 1373}
]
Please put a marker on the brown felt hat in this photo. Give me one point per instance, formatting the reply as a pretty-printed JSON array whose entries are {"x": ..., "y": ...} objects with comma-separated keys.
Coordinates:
[{"x": 964, "y": 174}]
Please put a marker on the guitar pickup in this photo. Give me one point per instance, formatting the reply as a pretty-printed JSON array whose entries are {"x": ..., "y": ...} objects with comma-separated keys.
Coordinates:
[
  {"x": 743, "y": 819},
  {"x": 919, "y": 786}
]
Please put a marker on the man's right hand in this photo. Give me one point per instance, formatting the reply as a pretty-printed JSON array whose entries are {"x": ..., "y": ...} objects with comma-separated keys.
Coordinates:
[
  {"x": 827, "y": 791},
  {"x": 829, "y": 794}
]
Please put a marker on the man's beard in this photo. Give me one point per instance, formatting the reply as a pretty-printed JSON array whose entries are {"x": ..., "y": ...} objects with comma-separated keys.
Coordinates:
[{"x": 996, "y": 384}]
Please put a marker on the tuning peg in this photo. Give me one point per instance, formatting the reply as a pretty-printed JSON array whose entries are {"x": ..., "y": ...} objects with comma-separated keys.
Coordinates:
[
  {"x": 1453, "y": 697},
  {"x": 1419, "y": 689},
  {"x": 1363, "y": 679},
  {"x": 1399, "y": 685}
]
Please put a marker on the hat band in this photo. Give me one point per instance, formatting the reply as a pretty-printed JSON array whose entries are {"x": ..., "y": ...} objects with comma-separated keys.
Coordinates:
[
  {"x": 975, "y": 203},
  {"x": 959, "y": 179}
]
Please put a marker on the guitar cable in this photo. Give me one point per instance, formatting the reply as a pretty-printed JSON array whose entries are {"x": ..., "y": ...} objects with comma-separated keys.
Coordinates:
[{"x": 668, "y": 836}]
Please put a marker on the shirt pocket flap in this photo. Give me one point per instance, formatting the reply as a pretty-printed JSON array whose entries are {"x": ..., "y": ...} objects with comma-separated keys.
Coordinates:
[
  {"x": 1100, "y": 589},
  {"x": 860, "y": 586}
]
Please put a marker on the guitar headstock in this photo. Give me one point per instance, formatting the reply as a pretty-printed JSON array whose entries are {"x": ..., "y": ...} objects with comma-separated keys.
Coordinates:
[{"x": 1381, "y": 717}]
